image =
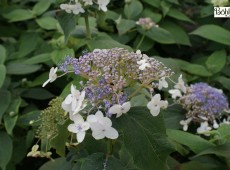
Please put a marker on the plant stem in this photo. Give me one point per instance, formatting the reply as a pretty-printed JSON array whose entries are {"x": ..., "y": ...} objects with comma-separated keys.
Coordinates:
[
  {"x": 88, "y": 33},
  {"x": 140, "y": 42},
  {"x": 136, "y": 91}
]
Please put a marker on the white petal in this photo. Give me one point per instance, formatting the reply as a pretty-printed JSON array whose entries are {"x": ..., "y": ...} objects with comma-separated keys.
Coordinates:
[
  {"x": 64, "y": 6},
  {"x": 85, "y": 126},
  {"x": 111, "y": 133},
  {"x": 115, "y": 109},
  {"x": 103, "y": 8},
  {"x": 150, "y": 104},
  {"x": 107, "y": 122},
  {"x": 98, "y": 135},
  {"x": 91, "y": 119},
  {"x": 126, "y": 107},
  {"x": 156, "y": 98},
  {"x": 80, "y": 136},
  {"x": 185, "y": 127},
  {"x": 78, "y": 119},
  {"x": 99, "y": 115},
  {"x": 68, "y": 99},
  {"x": 155, "y": 111},
  {"x": 72, "y": 128},
  {"x": 46, "y": 82}
]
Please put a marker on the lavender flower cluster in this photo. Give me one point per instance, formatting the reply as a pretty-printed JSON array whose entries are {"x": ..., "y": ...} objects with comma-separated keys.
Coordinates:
[
  {"x": 109, "y": 71},
  {"x": 204, "y": 103}
]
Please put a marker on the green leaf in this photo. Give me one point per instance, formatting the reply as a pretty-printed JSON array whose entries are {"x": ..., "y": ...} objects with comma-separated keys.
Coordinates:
[
  {"x": 214, "y": 33},
  {"x": 19, "y": 15},
  {"x": 20, "y": 68},
  {"x": 133, "y": 9},
  {"x": 28, "y": 43},
  {"x": 5, "y": 149},
  {"x": 67, "y": 23},
  {"x": 48, "y": 23},
  {"x": 172, "y": 117},
  {"x": 105, "y": 42},
  {"x": 147, "y": 12},
  {"x": 2, "y": 74},
  {"x": 220, "y": 150},
  {"x": 195, "y": 164},
  {"x": 37, "y": 93},
  {"x": 179, "y": 35},
  {"x": 41, "y": 58},
  {"x": 216, "y": 61},
  {"x": 144, "y": 137},
  {"x": 179, "y": 15},
  {"x": 125, "y": 25},
  {"x": 10, "y": 122},
  {"x": 160, "y": 35},
  {"x": 56, "y": 164},
  {"x": 2, "y": 54},
  {"x": 41, "y": 6},
  {"x": 194, "y": 142},
  {"x": 58, "y": 142},
  {"x": 25, "y": 119},
  {"x": 224, "y": 81},
  {"x": 193, "y": 68},
  {"x": 4, "y": 94},
  {"x": 94, "y": 161},
  {"x": 115, "y": 164},
  {"x": 154, "y": 3},
  {"x": 59, "y": 55}
]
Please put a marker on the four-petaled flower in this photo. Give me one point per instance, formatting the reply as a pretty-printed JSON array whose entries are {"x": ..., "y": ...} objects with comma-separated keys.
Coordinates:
[
  {"x": 79, "y": 127},
  {"x": 203, "y": 128},
  {"x": 162, "y": 83},
  {"x": 175, "y": 93},
  {"x": 180, "y": 85},
  {"x": 143, "y": 64},
  {"x": 88, "y": 2},
  {"x": 73, "y": 103},
  {"x": 120, "y": 109},
  {"x": 101, "y": 126},
  {"x": 74, "y": 8},
  {"x": 34, "y": 151},
  {"x": 103, "y": 4},
  {"x": 155, "y": 104},
  {"x": 52, "y": 76},
  {"x": 185, "y": 123}
]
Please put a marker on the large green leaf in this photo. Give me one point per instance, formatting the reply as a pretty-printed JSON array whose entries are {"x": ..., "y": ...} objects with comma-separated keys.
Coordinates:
[
  {"x": 10, "y": 122},
  {"x": 48, "y": 23},
  {"x": 159, "y": 35},
  {"x": 144, "y": 138},
  {"x": 154, "y": 3},
  {"x": 214, "y": 33},
  {"x": 59, "y": 55},
  {"x": 28, "y": 43},
  {"x": 105, "y": 42},
  {"x": 94, "y": 161},
  {"x": 20, "y": 68},
  {"x": 67, "y": 22},
  {"x": 25, "y": 119},
  {"x": 224, "y": 81},
  {"x": 5, "y": 149},
  {"x": 4, "y": 94},
  {"x": 56, "y": 164},
  {"x": 125, "y": 25},
  {"x": 2, "y": 74},
  {"x": 194, "y": 142},
  {"x": 41, "y": 6},
  {"x": 41, "y": 58},
  {"x": 19, "y": 15},
  {"x": 216, "y": 61},
  {"x": 133, "y": 9},
  {"x": 180, "y": 36},
  {"x": 37, "y": 93},
  {"x": 2, "y": 54},
  {"x": 174, "y": 13}
]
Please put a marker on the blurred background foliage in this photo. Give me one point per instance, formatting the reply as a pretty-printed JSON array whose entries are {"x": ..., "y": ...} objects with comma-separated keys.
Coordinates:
[{"x": 36, "y": 34}]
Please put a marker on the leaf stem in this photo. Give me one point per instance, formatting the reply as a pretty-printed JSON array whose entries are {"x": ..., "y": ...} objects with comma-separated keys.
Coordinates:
[
  {"x": 88, "y": 33},
  {"x": 140, "y": 42}
]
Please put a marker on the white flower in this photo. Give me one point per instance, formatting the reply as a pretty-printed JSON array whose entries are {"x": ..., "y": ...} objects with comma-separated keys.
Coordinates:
[
  {"x": 155, "y": 104},
  {"x": 103, "y": 4},
  {"x": 88, "y": 2},
  {"x": 227, "y": 122},
  {"x": 175, "y": 93},
  {"x": 76, "y": 8},
  {"x": 180, "y": 85},
  {"x": 52, "y": 76},
  {"x": 162, "y": 83},
  {"x": 34, "y": 151},
  {"x": 120, "y": 109},
  {"x": 79, "y": 127},
  {"x": 185, "y": 123},
  {"x": 73, "y": 103},
  {"x": 66, "y": 7},
  {"x": 143, "y": 64},
  {"x": 203, "y": 127},
  {"x": 101, "y": 126},
  {"x": 215, "y": 124}
]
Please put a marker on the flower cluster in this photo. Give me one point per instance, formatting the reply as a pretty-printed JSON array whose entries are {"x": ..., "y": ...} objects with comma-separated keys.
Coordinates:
[
  {"x": 109, "y": 73},
  {"x": 220, "y": 3},
  {"x": 79, "y": 6},
  {"x": 204, "y": 104},
  {"x": 146, "y": 23}
]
